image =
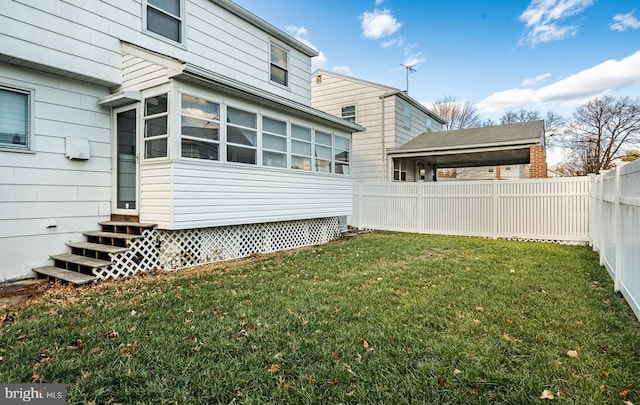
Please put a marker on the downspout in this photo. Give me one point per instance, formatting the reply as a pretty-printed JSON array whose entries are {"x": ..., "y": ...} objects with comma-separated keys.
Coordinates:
[{"x": 385, "y": 160}]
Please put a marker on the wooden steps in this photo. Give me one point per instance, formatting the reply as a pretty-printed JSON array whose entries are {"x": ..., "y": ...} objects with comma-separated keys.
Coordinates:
[
  {"x": 69, "y": 276},
  {"x": 81, "y": 265}
]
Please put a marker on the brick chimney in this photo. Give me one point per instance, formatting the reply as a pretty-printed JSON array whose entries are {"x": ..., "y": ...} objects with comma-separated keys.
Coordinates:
[{"x": 537, "y": 162}]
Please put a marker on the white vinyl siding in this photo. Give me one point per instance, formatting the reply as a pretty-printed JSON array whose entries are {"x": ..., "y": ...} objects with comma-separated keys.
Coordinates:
[
  {"x": 206, "y": 195},
  {"x": 44, "y": 188},
  {"x": 380, "y": 109},
  {"x": 84, "y": 39}
]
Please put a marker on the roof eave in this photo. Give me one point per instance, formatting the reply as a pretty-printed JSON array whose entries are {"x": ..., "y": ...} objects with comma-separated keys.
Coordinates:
[
  {"x": 233, "y": 86},
  {"x": 458, "y": 148},
  {"x": 265, "y": 26}
]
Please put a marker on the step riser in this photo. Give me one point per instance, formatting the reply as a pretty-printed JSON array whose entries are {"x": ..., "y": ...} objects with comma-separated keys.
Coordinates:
[{"x": 88, "y": 258}]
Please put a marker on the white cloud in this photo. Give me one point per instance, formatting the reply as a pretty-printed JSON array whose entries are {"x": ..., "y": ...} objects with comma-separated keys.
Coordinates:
[
  {"x": 623, "y": 21},
  {"x": 572, "y": 90},
  {"x": 343, "y": 70},
  {"x": 397, "y": 41},
  {"x": 378, "y": 24},
  {"x": 301, "y": 34},
  {"x": 378, "y": 2},
  {"x": 542, "y": 19},
  {"x": 319, "y": 61},
  {"x": 538, "y": 79}
]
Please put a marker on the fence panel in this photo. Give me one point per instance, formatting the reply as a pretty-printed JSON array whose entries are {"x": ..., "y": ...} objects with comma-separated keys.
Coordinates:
[
  {"x": 616, "y": 234},
  {"x": 544, "y": 209}
]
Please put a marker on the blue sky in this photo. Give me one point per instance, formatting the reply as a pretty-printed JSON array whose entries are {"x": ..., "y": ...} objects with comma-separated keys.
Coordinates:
[{"x": 545, "y": 55}]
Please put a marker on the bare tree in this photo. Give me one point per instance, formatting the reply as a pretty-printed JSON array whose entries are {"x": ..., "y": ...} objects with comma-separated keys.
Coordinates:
[
  {"x": 458, "y": 115},
  {"x": 522, "y": 115},
  {"x": 602, "y": 131},
  {"x": 553, "y": 123}
]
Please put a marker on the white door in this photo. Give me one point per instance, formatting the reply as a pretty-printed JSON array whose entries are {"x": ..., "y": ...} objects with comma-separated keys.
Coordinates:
[{"x": 125, "y": 161}]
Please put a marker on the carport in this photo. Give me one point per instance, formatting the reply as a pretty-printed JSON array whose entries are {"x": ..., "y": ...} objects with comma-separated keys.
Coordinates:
[{"x": 512, "y": 144}]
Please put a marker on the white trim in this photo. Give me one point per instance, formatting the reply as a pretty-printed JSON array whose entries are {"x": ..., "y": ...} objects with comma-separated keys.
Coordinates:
[
  {"x": 114, "y": 159},
  {"x": 30, "y": 93}
]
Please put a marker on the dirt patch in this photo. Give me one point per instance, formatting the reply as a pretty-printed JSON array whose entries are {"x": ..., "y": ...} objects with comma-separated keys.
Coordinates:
[{"x": 16, "y": 292}]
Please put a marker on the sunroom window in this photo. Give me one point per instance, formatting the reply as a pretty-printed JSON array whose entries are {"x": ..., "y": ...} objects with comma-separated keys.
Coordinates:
[
  {"x": 341, "y": 154},
  {"x": 300, "y": 147},
  {"x": 323, "y": 156},
  {"x": 14, "y": 118},
  {"x": 279, "y": 65},
  {"x": 200, "y": 128},
  {"x": 274, "y": 142},
  {"x": 241, "y": 136},
  {"x": 164, "y": 18},
  {"x": 156, "y": 134}
]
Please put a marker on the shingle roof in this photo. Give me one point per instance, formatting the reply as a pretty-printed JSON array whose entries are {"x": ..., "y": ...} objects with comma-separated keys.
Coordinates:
[{"x": 525, "y": 132}]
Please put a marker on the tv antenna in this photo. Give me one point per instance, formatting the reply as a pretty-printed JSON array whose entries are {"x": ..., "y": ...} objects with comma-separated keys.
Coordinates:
[{"x": 409, "y": 69}]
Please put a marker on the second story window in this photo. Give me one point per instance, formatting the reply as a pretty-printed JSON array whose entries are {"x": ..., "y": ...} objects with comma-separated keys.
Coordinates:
[
  {"x": 279, "y": 70},
  {"x": 164, "y": 17},
  {"x": 407, "y": 115},
  {"x": 349, "y": 113}
]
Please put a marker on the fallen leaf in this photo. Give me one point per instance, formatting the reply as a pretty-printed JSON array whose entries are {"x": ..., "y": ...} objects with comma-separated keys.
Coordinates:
[
  {"x": 579, "y": 322},
  {"x": 572, "y": 353},
  {"x": 364, "y": 343},
  {"x": 547, "y": 394},
  {"x": 456, "y": 371},
  {"x": 333, "y": 382},
  {"x": 348, "y": 369},
  {"x": 475, "y": 322},
  {"x": 113, "y": 334},
  {"x": 311, "y": 379},
  {"x": 606, "y": 374},
  {"x": 625, "y": 393},
  {"x": 506, "y": 336},
  {"x": 443, "y": 381},
  {"x": 274, "y": 368},
  {"x": 628, "y": 403}
]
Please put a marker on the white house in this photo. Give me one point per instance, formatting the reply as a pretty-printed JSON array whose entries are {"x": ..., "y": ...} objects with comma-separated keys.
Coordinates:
[
  {"x": 185, "y": 124},
  {"x": 391, "y": 119}
]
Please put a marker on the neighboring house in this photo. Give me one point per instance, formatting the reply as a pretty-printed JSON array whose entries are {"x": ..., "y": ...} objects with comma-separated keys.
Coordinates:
[
  {"x": 185, "y": 127},
  {"x": 390, "y": 116},
  {"x": 504, "y": 172},
  {"x": 495, "y": 147}
]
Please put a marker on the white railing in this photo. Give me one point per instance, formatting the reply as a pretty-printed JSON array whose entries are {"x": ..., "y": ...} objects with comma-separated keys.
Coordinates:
[
  {"x": 615, "y": 228},
  {"x": 602, "y": 210},
  {"x": 545, "y": 209}
]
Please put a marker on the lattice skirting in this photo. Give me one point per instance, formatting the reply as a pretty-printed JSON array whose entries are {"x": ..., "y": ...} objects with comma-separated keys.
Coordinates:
[
  {"x": 191, "y": 247},
  {"x": 143, "y": 255}
]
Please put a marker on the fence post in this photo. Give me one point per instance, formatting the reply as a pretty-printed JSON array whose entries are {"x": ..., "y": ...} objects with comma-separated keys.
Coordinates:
[
  {"x": 494, "y": 209},
  {"x": 420, "y": 197},
  {"x": 358, "y": 216},
  {"x": 617, "y": 223}
]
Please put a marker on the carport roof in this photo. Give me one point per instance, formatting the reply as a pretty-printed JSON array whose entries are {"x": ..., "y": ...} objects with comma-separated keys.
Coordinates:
[{"x": 485, "y": 146}]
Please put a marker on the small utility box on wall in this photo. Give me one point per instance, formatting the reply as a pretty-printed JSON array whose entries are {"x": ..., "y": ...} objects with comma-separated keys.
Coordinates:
[{"x": 77, "y": 148}]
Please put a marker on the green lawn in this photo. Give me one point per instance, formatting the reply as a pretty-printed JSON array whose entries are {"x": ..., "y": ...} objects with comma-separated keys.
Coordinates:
[{"x": 380, "y": 318}]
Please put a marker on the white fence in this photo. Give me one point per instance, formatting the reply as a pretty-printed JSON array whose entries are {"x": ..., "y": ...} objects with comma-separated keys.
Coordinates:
[
  {"x": 615, "y": 228},
  {"x": 602, "y": 210},
  {"x": 545, "y": 209}
]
